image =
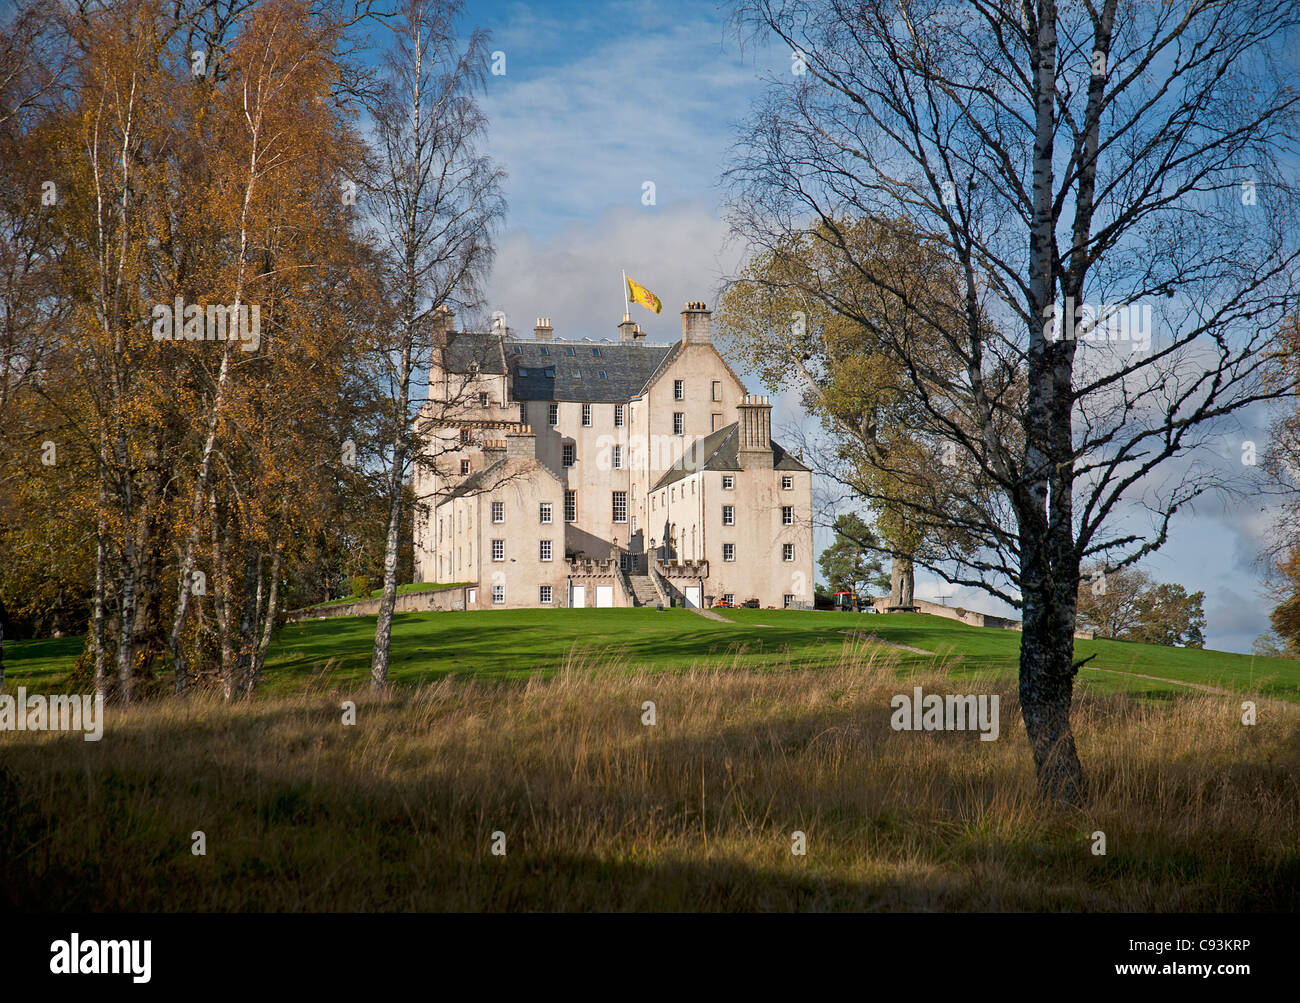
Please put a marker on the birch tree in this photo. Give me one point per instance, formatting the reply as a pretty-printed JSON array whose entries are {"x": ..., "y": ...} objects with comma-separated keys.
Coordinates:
[
  {"x": 1111, "y": 180},
  {"x": 435, "y": 199}
]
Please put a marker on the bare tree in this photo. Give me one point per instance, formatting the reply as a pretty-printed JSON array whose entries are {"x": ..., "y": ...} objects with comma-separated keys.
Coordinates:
[
  {"x": 436, "y": 200},
  {"x": 1109, "y": 181}
]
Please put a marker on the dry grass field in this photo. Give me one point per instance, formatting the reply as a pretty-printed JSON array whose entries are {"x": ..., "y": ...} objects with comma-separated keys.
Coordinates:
[{"x": 695, "y": 812}]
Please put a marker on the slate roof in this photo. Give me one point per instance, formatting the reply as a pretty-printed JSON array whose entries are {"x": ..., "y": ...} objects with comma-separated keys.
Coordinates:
[
  {"x": 720, "y": 450},
  {"x": 465, "y": 348},
  {"x": 596, "y": 372},
  {"x": 590, "y": 371}
]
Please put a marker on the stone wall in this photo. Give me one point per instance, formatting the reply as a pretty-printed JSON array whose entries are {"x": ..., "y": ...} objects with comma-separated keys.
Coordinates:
[
  {"x": 970, "y": 616},
  {"x": 409, "y": 602}
]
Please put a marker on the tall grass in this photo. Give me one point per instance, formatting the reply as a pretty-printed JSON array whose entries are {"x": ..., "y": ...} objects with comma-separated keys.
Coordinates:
[{"x": 601, "y": 812}]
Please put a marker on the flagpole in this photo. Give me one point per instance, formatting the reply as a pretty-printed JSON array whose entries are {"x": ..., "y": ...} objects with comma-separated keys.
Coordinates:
[{"x": 627, "y": 307}]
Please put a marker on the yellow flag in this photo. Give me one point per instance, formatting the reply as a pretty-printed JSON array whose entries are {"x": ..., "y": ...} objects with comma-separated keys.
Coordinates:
[{"x": 640, "y": 294}]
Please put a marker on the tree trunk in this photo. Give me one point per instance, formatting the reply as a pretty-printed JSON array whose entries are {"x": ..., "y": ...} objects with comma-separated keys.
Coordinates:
[
  {"x": 384, "y": 622},
  {"x": 1048, "y": 564},
  {"x": 902, "y": 581},
  {"x": 268, "y": 625},
  {"x": 220, "y": 591},
  {"x": 1047, "y": 690},
  {"x": 97, "y": 616}
]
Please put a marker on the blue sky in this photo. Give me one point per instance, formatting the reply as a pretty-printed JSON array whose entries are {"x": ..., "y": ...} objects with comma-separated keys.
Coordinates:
[{"x": 599, "y": 98}]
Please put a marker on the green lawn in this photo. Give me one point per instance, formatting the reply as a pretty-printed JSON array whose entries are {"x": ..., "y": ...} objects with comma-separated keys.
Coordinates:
[{"x": 515, "y": 644}]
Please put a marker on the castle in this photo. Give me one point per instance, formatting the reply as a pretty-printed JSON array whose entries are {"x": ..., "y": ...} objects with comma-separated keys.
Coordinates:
[{"x": 605, "y": 473}]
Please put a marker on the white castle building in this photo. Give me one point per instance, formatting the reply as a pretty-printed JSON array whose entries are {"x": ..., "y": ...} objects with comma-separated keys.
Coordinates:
[{"x": 605, "y": 473}]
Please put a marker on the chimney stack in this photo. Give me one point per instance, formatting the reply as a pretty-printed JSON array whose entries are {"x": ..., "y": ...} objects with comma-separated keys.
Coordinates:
[
  {"x": 442, "y": 323},
  {"x": 755, "y": 414},
  {"x": 521, "y": 445},
  {"x": 696, "y": 325},
  {"x": 543, "y": 330},
  {"x": 627, "y": 330},
  {"x": 493, "y": 451}
]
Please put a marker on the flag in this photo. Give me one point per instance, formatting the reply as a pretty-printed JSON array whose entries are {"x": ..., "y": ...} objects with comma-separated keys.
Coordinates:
[{"x": 640, "y": 294}]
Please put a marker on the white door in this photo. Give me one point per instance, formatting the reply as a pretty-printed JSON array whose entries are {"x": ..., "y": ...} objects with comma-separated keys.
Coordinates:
[
  {"x": 472, "y": 598},
  {"x": 578, "y": 596},
  {"x": 692, "y": 597},
  {"x": 604, "y": 596}
]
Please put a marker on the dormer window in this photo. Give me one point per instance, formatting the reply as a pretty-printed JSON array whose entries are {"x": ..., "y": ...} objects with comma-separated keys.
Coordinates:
[
  {"x": 545, "y": 350},
  {"x": 595, "y": 351},
  {"x": 568, "y": 351}
]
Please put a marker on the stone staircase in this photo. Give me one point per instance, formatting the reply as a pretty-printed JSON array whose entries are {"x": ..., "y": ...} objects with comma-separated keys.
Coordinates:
[{"x": 643, "y": 590}]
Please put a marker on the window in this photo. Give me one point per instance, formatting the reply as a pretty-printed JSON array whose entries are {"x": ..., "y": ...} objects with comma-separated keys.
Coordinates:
[
  {"x": 482, "y": 400},
  {"x": 595, "y": 351},
  {"x": 679, "y": 390},
  {"x": 618, "y": 415},
  {"x": 570, "y": 506},
  {"x": 620, "y": 506},
  {"x": 728, "y": 551},
  {"x": 545, "y": 350},
  {"x": 553, "y": 415},
  {"x": 729, "y": 598},
  {"x": 518, "y": 350},
  {"x": 728, "y": 482},
  {"x": 569, "y": 458},
  {"x": 498, "y": 595},
  {"x": 787, "y": 600},
  {"x": 498, "y": 550},
  {"x": 523, "y": 370},
  {"x": 616, "y": 458},
  {"x": 544, "y": 595},
  {"x": 634, "y": 525},
  {"x": 498, "y": 511},
  {"x": 466, "y": 436},
  {"x": 586, "y": 415},
  {"x": 787, "y": 483},
  {"x": 717, "y": 390},
  {"x": 623, "y": 562},
  {"x": 601, "y": 373},
  {"x": 544, "y": 512},
  {"x": 728, "y": 515},
  {"x": 787, "y": 551},
  {"x": 568, "y": 351},
  {"x": 716, "y": 423},
  {"x": 787, "y": 515},
  {"x": 679, "y": 423},
  {"x": 543, "y": 550},
  {"x": 577, "y": 374},
  {"x": 465, "y": 468}
]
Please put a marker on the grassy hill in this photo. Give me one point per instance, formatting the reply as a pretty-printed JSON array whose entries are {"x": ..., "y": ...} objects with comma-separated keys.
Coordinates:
[{"x": 517, "y": 644}]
